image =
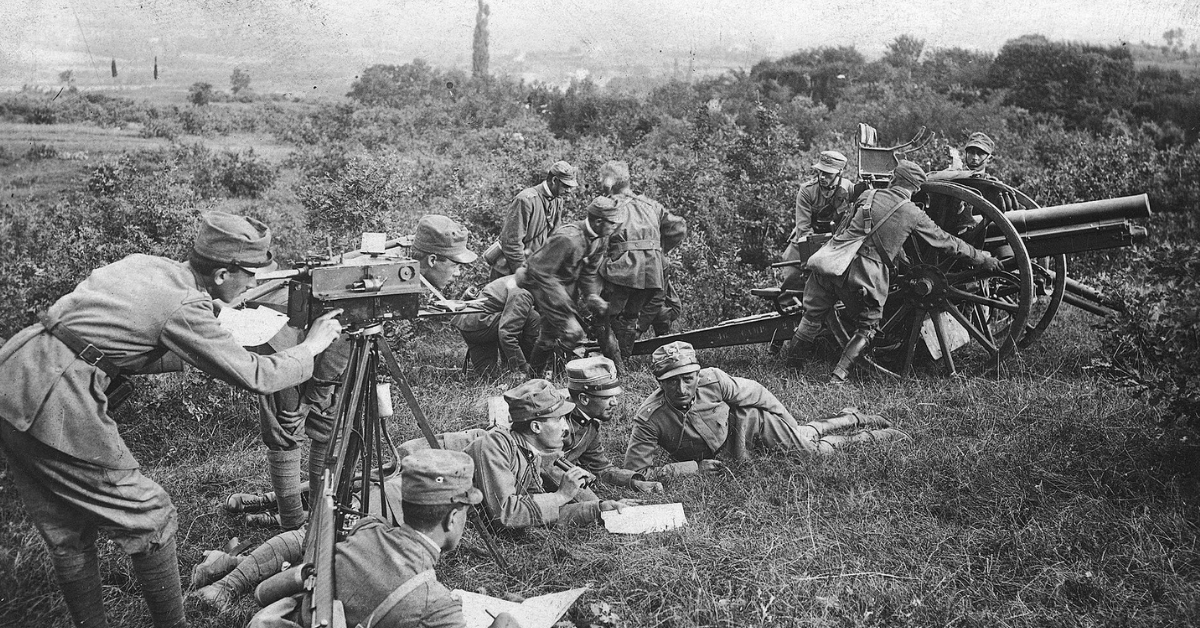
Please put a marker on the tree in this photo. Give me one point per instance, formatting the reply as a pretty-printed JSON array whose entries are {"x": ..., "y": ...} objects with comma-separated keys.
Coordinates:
[
  {"x": 114, "y": 68},
  {"x": 67, "y": 76},
  {"x": 904, "y": 52},
  {"x": 479, "y": 56},
  {"x": 200, "y": 93},
  {"x": 239, "y": 80}
]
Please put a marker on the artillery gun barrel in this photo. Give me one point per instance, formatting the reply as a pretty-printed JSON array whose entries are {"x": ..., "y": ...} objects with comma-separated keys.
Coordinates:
[{"x": 1072, "y": 214}]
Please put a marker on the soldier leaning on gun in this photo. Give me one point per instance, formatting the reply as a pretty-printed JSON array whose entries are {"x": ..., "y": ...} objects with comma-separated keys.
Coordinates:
[
  {"x": 820, "y": 205},
  {"x": 863, "y": 287},
  {"x": 700, "y": 413},
  {"x": 376, "y": 559},
  {"x": 142, "y": 314},
  {"x": 532, "y": 216},
  {"x": 440, "y": 244},
  {"x": 568, "y": 264},
  {"x": 635, "y": 260},
  {"x": 515, "y": 468}
]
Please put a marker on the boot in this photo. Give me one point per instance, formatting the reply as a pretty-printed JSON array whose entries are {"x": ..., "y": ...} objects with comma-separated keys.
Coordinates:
[
  {"x": 626, "y": 336},
  {"x": 800, "y": 352},
  {"x": 78, "y": 573},
  {"x": 855, "y": 347},
  {"x": 539, "y": 359},
  {"x": 266, "y": 560},
  {"x": 239, "y": 503},
  {"x": 214, "y": 567},
  {"x": 262, "y": 520},
  {"x": 285, "y": 479},
  {"x": 158, "y": 574}
]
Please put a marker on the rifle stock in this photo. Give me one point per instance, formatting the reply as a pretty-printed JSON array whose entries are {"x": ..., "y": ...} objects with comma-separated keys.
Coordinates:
[{"x": 320, "y": 608}]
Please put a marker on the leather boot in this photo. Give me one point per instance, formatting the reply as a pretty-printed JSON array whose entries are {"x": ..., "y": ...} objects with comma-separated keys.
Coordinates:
[
  {"x": 539, "y": 359},
  {"x": 855, "y": 347},
  {"x": 239, "y": 503}
]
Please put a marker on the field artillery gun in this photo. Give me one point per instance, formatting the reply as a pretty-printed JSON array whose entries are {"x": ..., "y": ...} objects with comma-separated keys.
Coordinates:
[{"x": 939, "y": 305}]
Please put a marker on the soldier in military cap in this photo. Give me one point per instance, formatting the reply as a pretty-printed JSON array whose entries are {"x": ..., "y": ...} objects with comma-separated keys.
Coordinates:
[
  {"x": 978, "y": 153},
  {"x": 515, "y": 468},
  {"x": 142, "y": 314},
  {"x": 531, "y": 217},
  {"x": 633, "y": 271},
  {"x": 820, "y": 204},
  {"x": 863, "y": 287},
  {"x": 596, "y": 392},
  {"x": 440, "y": 245},
  {"x": 566, "y": 265},
  {"x": 700, "y": 413},
  {"x": 384, "y": 574}
]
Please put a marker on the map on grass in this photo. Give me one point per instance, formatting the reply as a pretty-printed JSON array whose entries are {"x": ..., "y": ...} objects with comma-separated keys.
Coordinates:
[
  {"x": 645, "y": 519},
  {"x": 542, "y": 611}
]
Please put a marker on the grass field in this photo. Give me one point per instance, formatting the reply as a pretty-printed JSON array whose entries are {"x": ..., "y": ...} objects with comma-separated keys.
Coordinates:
[{"x": 1038, "y": 496}]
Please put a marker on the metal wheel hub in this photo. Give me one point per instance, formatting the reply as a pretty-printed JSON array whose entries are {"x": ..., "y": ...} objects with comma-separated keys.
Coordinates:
[{"x": 925, "y": 287}]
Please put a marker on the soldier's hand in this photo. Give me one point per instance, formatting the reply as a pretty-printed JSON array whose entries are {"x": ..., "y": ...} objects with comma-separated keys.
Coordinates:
[
  {"x": 990, "y": 263},
  {"x": 711, "y": 466},
  {"x": 648, "y": 487},
  {"x": 323, "y": 332},
  {"x": 273, "y": 616},
  {"x": 571, "y": 482},
  {"x": 596, "y": 305}
]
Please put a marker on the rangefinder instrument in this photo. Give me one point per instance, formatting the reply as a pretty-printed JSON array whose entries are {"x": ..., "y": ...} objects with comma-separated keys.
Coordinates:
[{"x": 372, "y": 287}]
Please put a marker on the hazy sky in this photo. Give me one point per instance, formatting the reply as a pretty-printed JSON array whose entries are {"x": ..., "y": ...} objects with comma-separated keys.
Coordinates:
[{"x": 39, "y": 38}]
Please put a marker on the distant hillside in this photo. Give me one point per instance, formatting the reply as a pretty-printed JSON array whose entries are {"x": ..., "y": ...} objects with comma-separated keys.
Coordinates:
[{"x": 1185, "y": 61}]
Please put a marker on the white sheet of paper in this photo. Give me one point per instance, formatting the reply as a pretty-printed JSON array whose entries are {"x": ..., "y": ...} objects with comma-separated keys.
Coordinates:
[
  {"x": 251, "y": 327},
  {"x": 542, "y": 611},
  {"x": 645, "y": 519}
]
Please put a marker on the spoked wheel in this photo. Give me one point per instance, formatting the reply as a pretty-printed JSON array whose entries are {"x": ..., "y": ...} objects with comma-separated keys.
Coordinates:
[
  {"x": 1049, "y": 273},
  {"x": 964, "y": 306}
]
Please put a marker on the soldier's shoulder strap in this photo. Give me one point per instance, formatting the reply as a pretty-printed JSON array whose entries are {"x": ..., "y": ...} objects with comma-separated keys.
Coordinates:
[{"x": 397, "y": 596}]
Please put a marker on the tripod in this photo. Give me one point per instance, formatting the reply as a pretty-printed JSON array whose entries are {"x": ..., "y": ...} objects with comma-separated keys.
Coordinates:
[{"x": 356, "y": 451}]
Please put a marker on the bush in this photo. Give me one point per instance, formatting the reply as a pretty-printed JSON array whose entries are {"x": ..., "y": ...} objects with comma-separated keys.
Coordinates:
[{"x": 38, "y": 152}]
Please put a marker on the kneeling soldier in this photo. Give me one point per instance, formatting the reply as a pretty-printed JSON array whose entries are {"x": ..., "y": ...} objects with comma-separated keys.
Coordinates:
[
  {"x": 507, "y": 327},
  {"x": 699, "y": 413}
]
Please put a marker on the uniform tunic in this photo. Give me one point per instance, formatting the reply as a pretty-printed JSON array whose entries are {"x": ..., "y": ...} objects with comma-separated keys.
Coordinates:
[
  {"x": 508, "y": 325},
  {"x": 864, "y": 286},
  {"x": 729, "y": 414},
  {"x": 531, "y": 217},
  {"x": 375, "y": 560},
  {"x": 508, "y": 473},
  {"x": 817, "y": 211},
  {"x": 567, "y": 263},
  {"x": 581, "y": 446},
  {"x": 636, "y": 252},
  {"x": 67, "y": 457}
]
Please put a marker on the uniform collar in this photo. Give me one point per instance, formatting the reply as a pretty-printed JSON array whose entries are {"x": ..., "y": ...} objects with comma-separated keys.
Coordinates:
[
  {"x": 427, "y": 542},
  {"x": 587, "y": 230},
  {"x": 543, "y": 188}
]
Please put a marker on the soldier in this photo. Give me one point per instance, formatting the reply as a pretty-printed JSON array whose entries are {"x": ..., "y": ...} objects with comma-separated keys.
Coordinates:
[
  {"x": 594, "y": 389},
  {"x": 514, "y": 468},
  {"x": 699, "y": 413},
  {"x": 532, "y": 216},
  {"x": 440, "y": 245},
  {"x": 384, "y": 574},
  {"x": 863, "y": 287},
  {"x": 142, "y": 314},
  {"x": 507, "y": 327},
  {"x": 633, "y": 270},
  {"x": 978, "y": 153},
  {"x": 820, "y": 204},
  {"x": 567, "y": 264},
  {"x": 661, "y": 311}
]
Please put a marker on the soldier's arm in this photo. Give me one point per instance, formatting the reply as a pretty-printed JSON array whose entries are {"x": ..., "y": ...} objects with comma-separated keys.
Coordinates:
[
  {"x": 193, "y": 333},
  {"x": 924, "y": 227},
  {"x": 639, "y": 454},
  {"x": 517, "y": 309},
  {"x": 512, "y": 233},
  {"x": 596, "y": 460},
  {"x": 747, "y": 393},
  {"x": 590, "y": 283},
  {"x": 804, "y": 210},
  {"x": 495, "y": 476}
]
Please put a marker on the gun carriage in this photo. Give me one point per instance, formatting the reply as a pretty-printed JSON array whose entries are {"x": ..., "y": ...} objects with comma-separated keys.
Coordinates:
[{"x": 939, "y": 305}]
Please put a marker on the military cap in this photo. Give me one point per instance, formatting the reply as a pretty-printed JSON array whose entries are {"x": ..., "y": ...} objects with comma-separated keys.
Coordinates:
[
  {"x": 982, "y": 142},
  {"x": 676, "y": 358},
  {"x": 438, "y": 476},
  {"x": 564, "y": 172},
  {"x": 830, "y": 161},
  {"x": 535, "y": 399},
  {"x": 443, "y": 236},
  {"x": 595, "y": 376},
  {"x": 910, "y": 172},
  {"x": 235, "y": 240},
  {"x": 608, "y": 209}
]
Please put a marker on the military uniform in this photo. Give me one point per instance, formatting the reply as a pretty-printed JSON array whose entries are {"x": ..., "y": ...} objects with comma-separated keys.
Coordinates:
[
  {"x": 513, "y": 479},
  {"x": 730, "y": 415},
  {"x": 508, "y": 326},
  {"x": 818, "y": 210},
  {"x": 569, "y": 262},
  {"x": 530, "y": 219},
  {"x": 581, "y": 446}
]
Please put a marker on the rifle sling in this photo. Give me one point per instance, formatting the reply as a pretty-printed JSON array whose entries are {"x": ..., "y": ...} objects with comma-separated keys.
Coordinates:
[{"x": 397, "y": 596}]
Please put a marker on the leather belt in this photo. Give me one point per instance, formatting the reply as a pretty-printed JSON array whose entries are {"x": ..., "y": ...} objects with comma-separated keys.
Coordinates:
[{"x": 83, "y": 349}]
